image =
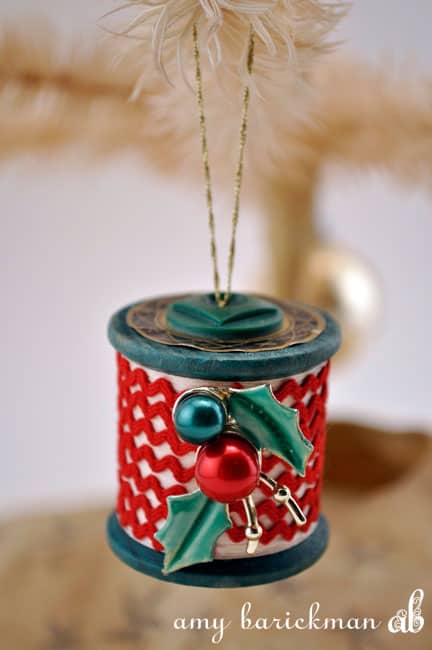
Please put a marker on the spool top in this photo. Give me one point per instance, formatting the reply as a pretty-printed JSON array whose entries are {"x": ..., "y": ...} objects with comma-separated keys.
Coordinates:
[{"x": 258, "y": 338}]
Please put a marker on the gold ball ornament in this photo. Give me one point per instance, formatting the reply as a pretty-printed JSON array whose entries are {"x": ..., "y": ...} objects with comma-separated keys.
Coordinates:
[{"x": 339, "y": 281}]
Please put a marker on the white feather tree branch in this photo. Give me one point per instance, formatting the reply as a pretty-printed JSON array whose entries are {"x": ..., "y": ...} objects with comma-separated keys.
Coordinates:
[{"x": 359, "y": 116}]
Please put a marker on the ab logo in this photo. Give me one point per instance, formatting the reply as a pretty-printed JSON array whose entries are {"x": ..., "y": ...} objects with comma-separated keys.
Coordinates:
[{"x": 411, "y": 619}]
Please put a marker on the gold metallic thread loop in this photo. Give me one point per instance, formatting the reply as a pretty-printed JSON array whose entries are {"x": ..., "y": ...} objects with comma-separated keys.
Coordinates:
[{"x": 222, "y": 299}]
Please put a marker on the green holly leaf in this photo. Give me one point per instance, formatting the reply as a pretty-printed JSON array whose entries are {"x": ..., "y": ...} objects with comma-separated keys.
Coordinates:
[
  {"x": 191, "y": 530},
  {"x": 268, "y": 424}
]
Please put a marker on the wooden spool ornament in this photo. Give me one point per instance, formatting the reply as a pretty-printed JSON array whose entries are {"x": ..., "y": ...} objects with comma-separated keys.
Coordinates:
[{"x": 221, "y": 438}]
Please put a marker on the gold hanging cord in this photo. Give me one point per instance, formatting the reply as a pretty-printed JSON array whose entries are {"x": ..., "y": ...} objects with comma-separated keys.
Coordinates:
[{"x": 222, "y": 298}]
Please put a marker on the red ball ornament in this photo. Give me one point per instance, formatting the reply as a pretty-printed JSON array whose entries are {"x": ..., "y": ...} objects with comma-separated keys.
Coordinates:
[{"x": 227, "y": 468}]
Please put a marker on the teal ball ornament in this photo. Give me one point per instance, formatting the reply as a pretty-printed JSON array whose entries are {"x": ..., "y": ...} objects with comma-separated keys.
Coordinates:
[{"x": 199, "y": 417}]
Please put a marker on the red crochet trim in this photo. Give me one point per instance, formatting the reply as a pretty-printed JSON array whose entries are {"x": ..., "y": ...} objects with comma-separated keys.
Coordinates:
[{"x": 139, "y": 440}]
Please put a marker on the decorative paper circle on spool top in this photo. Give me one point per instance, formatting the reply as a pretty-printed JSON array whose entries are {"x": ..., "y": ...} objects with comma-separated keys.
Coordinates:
[
  {"x": 247, "y": 324},
  {"x": 305, "y": 337}
]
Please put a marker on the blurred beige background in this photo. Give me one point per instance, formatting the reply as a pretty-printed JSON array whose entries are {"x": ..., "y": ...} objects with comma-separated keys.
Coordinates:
[{"x": 80, "y": 240}]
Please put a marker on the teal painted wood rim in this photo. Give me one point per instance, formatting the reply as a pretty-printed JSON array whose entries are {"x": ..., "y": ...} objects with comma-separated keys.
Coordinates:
[
  {"x": 223, "y": 366},
  {"x": 225, "y": 574}
]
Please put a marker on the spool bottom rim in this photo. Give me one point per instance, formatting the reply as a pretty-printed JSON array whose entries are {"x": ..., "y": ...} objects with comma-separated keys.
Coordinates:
[{"x": 225, "y": 574}]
